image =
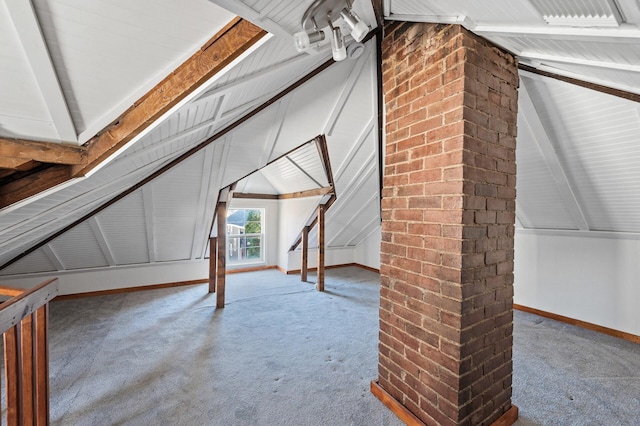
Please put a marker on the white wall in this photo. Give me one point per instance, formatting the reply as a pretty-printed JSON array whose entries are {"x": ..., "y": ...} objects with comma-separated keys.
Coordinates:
[
  {"x": 293, "y": 214},
  {"x": 117, "y": 277},
  {"x": 593, "y": 278},
  {"x": 367, "y": 253},
  {"x": 272, "y": 225},
  {"x": 332, "y": 256}
]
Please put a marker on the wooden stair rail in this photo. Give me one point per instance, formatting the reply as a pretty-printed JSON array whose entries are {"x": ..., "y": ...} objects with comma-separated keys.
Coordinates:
[{"x": 24, "y": 323}]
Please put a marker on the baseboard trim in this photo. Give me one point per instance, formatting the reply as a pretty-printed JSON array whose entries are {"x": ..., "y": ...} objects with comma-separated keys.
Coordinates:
[
  {"x": 128, "y": 289},
  {"x": 507, "y": 419},
  {"x": 343, "y": 265},
  {"x": 251, "y": 269},
  {"x": 392, "y": 404},
  {"x": 579, "y": 323}
]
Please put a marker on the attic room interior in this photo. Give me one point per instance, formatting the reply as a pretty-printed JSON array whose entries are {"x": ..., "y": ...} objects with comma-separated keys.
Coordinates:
[{"x": 320, "y": 212}]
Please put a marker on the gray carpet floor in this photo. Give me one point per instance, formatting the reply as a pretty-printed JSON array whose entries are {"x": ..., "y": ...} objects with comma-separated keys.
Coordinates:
[{"x": 281, "y": 353}]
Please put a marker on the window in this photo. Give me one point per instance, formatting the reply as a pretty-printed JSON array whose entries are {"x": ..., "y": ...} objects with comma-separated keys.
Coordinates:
[{"x": 245, "y": 235}]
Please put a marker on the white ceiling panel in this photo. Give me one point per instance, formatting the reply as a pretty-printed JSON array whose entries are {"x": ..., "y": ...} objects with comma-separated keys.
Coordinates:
[
  {"x": 79, "y": 249},
  {"x": 37, "y": 261},
  {"x": 175, "y": 205},
  {"x": 596, "y": 139},
  {"x": 22, "y": 108},
  {"x": 102, "y": 76},
  {"x": 124, "y": 228},
  {"x": 500, "y": 10}
]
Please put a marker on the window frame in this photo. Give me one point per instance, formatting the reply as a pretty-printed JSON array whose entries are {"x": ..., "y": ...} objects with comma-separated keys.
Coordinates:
[{"x": 241, "y": 235}]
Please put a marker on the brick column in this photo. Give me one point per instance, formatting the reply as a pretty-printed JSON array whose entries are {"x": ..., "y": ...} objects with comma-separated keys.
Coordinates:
[{"x": 446, "y": 317}]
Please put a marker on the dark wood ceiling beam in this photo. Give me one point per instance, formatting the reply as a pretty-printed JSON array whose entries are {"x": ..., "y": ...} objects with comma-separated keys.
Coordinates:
[
  {"x": 231, "y": 42},
  {"x": 33, "y": 183},
  {"x": 597, "y": 87},
  {"x": 19, "y": 164},
  {"x": 43, "y": 152}
]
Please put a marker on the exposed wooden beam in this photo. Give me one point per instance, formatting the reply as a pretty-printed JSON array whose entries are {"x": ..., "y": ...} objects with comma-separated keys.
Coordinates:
[
  {"x": 19, "y": 164},
  {"x": 43, "y": 152},
  {"x": 321, "y": 235},
  {"x": 33, "y": 184},
  {"x": 309, "y": 193},
  {"x": 25, "y": 22},
  {"x": 213, "y": 264},
  {"x": 222, "y": 254},
  {"x": 177, "y": 161},
  {"x": 232, "y": 41},
  {"x": 635, "y": 97},
  {"x": 304, "y": 267},
  {"x": 254, "y": 196},
  {"x": 312, "y": 221}
]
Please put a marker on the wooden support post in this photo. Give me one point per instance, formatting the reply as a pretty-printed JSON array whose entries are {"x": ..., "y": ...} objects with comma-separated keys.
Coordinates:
[
  {"x": 12, "y": 374},
  {"x": 27, "y": 370},
  {"x": 41, "y": 320},
  {"x": 320, "y": 284},
  {"x": 305, "y": 254},
  {"x": 213, "y": 263},
  {"x": 222, "y": 253}
]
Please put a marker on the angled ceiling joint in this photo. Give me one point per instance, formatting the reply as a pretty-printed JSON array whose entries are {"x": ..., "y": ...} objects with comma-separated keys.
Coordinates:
[
  {"x": 355, "y": 148},
  {"x": 345, "y": 93},
  {"x": 367, "y": 230},
  {"x": 356, "y": 216},
  {"x": 26, "y": 24},
  {"x": 199, "y": 236},
  {"x": 541, "y": 138},
  {"x": 53, "y": 257},
  {"x": 147, "y": 198},
  {"x": 102, "y": 241},
  {"x": 274, "y": 133}
]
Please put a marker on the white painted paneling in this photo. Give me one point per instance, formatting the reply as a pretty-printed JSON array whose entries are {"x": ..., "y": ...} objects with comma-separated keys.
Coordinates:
[
  {"x": 595, "y": 136},
  {"x": 35, "y": 262},
  {"x": 591, "y": 279},
  {"x": 500, "y": 11},
  {"x": 175, "y": 206},
  {"x": 22, "y": 107},
  {"x": 79, "y": 248},
  {"x": 125, "y": 231},
  {"x": 72, "y": 282},
  {"x": 101, "y": 76},
  {"x": 367, "y": 253}
]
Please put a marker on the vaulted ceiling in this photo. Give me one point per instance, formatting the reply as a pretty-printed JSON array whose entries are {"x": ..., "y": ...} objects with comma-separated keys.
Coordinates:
[{"x": 105, "y": 160}]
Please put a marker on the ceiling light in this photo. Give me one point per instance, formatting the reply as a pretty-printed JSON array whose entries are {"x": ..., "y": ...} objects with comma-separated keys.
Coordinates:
[
  {"x": 338, "y": 48},
  {"x": 305, "y": 40},
  {"x": 358, "y": 28},
  {"x": 325, "y": 13}
]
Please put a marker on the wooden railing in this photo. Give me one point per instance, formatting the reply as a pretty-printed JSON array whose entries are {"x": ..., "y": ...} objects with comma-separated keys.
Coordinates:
[{"x": 24, "y": 324}]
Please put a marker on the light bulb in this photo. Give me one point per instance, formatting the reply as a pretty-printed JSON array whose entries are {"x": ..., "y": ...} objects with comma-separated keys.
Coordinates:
[
  {"x": 304, "y": 40},
  {"x": 357, "y": 27},
  {"x": 338, "y": 48}
]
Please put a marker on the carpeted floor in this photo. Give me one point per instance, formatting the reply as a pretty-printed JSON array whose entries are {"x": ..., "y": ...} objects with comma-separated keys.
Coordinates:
[{"x": 281, "y": 353}]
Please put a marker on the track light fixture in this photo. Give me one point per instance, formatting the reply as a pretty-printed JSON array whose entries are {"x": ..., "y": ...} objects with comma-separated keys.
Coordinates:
[{"x": 325, "y": 13}]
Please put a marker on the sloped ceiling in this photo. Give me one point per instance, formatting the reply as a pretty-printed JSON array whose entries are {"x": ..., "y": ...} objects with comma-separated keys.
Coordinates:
[{"x": 578, "y": 157}]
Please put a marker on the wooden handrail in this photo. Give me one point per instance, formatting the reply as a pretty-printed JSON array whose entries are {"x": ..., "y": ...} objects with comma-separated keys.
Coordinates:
[
  {"x": 6, "y": 290},
  {"x": 26, "y": 303},
  {"x": 24, "y": 324}
]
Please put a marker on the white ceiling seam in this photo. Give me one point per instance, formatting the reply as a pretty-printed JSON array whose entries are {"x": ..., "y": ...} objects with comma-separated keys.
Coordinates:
[
  {"x": 102, "y": 242},
  {"x": 53, "y": 258},
  {"x": 354, "y": 217},
  {"x": 147, "y": 197},
  {"x": 274, "y": 132},
  {"x": 26, "y": 24},
  {"x": 206, "y": 188},
  {"x": 545, "y": 145},
  {"x": 345, "y": 93}
]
